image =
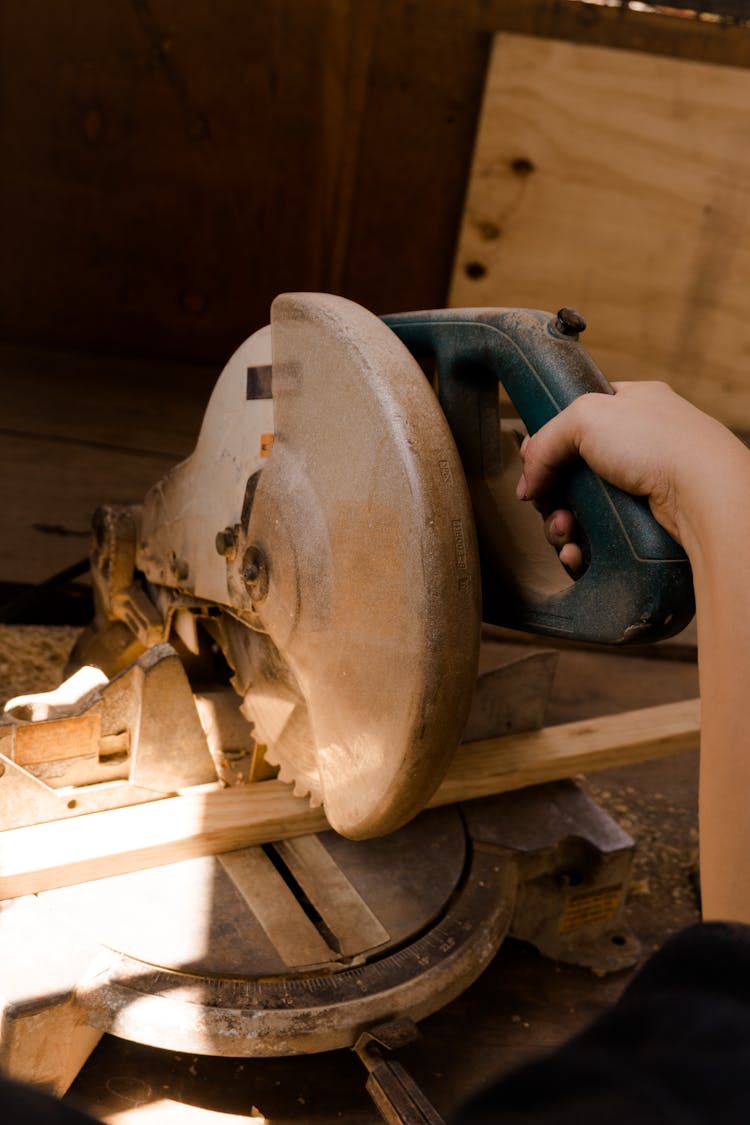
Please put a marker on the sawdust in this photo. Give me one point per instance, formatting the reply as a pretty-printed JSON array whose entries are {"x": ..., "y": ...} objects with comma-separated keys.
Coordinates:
[
  {"x": 665, "y": 880},
  {"x": 33, "y": 657}
]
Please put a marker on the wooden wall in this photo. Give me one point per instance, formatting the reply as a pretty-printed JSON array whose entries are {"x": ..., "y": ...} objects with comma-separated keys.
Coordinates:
[{"x": 168, "y": 166}]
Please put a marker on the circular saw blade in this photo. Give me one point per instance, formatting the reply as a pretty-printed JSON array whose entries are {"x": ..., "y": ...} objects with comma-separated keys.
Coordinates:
[{"x": 362, "y": 532}]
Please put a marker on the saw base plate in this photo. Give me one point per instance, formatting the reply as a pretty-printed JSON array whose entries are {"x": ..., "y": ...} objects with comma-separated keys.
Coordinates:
[
  {"x": 293, "y": 947},
  {"x": 301, "y": 946}
]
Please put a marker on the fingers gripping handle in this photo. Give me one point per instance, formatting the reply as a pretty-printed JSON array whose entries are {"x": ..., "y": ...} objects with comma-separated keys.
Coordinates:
[{"x": 638, "y": 585}]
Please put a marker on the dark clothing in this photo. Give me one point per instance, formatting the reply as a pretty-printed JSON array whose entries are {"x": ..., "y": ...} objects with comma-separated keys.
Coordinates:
[
  {"x": 674, "y": 1049},
  {"x": 22, "y": 1105}
]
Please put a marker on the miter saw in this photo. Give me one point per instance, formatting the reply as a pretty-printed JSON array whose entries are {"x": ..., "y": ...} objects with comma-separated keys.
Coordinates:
[
  {"x": 340, "y": 533},
  {"x": 334, "y": 543}
]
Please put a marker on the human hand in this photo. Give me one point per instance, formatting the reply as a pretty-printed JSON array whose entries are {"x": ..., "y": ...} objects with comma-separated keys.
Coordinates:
[{"x": 644, "y": 439}]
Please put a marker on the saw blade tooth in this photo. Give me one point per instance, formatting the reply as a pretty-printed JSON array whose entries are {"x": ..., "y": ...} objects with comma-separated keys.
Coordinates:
[
  {"x": 285, "y": 774},
  {"x": 304, "y": 785},
  {"x": 300, "y": 785},
  {"x": 271, "y": 756}
]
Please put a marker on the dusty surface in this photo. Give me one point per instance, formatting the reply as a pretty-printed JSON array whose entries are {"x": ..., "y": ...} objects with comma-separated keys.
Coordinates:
[
  {"x": 522, "y": 1004},
  {"x": 32, "y": 657},
  {"x": 657, "y": 802}
]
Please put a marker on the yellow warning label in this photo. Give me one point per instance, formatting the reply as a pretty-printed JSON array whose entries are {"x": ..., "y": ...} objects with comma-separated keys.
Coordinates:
[
  {"x": 591, "y": 907},
  {"x": 266, "y": 444}
]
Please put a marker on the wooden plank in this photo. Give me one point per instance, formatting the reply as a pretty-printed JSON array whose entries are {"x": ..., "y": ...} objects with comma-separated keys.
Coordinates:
[
  {"x": 78, "y": 431},
  {"x": 502, "y": 764},
  {"x": 90, "y": 847},
  {"x": 184, "y": 82},
  {"x": 616, "y": 182}
]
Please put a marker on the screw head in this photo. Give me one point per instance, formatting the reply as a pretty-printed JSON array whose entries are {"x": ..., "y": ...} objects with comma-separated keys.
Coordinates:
[
  {"x": 255, "y": 574},
  {"x": 226, "y": 541},
  {"x": 569, "y": 322},
  {"x": 251, "y": 573}
]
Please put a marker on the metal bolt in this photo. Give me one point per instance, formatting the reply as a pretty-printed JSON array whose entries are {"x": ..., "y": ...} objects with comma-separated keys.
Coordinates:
[
  {"x": 226, "y": 541},
  {"x": 255, "y": 574},
  {"x": 569, "y": 322}
]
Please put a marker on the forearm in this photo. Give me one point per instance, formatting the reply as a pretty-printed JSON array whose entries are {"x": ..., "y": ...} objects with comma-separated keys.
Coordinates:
[
  {"x": 696, "y": 475},
  {"x": 719, "y": 550}
]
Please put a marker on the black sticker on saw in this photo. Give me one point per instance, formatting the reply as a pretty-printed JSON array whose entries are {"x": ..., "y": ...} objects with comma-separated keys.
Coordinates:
[{"x": 259, "y": 381}]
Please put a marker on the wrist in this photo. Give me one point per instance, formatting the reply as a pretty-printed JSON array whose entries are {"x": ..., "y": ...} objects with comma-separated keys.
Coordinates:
[{"x": 712, "y": 506}]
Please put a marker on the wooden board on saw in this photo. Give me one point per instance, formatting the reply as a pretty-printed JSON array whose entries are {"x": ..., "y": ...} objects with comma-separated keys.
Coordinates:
[
  {"x": 60, "y": 853},
  {"x": 616, "y": 182}
]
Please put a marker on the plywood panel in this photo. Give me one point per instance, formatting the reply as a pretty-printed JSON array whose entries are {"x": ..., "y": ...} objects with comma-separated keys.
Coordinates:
[{"x": 618, "y": 182}]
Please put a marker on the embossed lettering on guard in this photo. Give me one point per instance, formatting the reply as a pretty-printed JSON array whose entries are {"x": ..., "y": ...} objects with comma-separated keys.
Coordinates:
[
  {"x": 446, "y": 472},
  {"x": 459, "y": 542}
]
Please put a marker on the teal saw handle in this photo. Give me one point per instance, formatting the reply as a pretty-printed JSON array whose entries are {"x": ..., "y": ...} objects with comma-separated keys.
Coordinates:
[{"x": 638, "y": 583}]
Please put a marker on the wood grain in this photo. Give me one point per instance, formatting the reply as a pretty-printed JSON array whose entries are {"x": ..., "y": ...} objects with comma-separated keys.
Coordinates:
[
  {"x": 49, "y": 488},
  {"x": 170, "y": 167},
  {"x": 78, "y": 431},
  {"x": 115, "y": 404},
  {"x": 108, "y": 843},
  {"x": 616, "y": 182}
]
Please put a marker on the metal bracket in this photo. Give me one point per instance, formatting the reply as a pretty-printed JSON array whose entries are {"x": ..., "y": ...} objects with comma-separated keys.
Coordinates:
[{"x": 395, "y": 1093}]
